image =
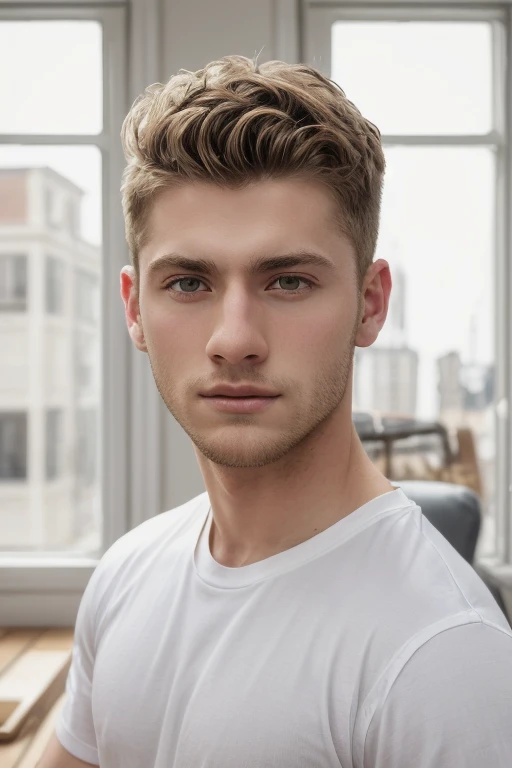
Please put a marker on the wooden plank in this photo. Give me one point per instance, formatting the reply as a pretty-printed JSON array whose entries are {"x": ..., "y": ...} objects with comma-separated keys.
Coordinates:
[
  {"x": 33, "y": 682},
  {"x": 28, "y": 747},
  {"x": 12, "y": 752},
  {"x": 14, "y": 643},
  {"x": 58, "y": 639},
  {"x": 34, "y": 663},
  {"x": 41, "y": 736}
]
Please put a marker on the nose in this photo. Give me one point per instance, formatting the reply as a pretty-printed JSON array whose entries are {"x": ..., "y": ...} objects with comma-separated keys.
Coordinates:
[{"x": 237, "y": 334}]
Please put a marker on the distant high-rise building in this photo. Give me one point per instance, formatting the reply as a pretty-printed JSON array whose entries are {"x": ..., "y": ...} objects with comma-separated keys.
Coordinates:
[
  {"x": 449, "y": 388},
  {"x": 477, "y": 382},
  {"x": 464, "y": 386}
]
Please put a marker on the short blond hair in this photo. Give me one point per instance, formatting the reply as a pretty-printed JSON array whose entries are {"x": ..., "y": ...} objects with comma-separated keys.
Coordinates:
[{"x": 235, "y": 122}]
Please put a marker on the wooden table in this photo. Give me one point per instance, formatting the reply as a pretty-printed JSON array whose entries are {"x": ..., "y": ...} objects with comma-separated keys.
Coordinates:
[{"x": 34, "y": 663}]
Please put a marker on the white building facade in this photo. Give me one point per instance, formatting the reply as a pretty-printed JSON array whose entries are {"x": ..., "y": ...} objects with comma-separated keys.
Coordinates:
[{"x": 50, "y": 281}]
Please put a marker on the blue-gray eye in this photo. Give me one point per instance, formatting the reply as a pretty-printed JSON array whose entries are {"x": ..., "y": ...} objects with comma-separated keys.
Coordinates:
[
  {"x": 188, "y": 284},
  {"x": 287, "y": 279}
]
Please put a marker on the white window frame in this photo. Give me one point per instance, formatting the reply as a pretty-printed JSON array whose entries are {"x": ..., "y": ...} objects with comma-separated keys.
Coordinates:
[
  {"x": 46, "y": 589},
  {"x": 317, "y": 19}
]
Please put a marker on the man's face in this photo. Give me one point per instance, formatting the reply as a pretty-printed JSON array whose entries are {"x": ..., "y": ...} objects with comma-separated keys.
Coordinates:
[{"x": 288, "y": 329}]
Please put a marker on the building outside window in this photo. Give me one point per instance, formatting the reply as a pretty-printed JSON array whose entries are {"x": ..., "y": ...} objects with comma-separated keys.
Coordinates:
[
  {"x": 61, "y": 164},
  {"x": 87, "y": 297},
  {"x": 53, "y": 206},
  {"x": 54, "y": 437},
  {"x": 13, "y": 282},
  {"x": 86, "y": 444},
  {"x": 54, "y": 286},
  {"x": 13, "y": 446}
]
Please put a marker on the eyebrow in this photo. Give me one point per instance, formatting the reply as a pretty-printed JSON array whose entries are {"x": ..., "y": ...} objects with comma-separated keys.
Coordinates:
[{"x": 257, "y": 266}]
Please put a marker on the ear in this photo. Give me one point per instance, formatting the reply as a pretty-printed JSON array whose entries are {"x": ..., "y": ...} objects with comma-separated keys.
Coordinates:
[
  {"x": 130, "y": 296},
  {"x": 375, "y": 297}
]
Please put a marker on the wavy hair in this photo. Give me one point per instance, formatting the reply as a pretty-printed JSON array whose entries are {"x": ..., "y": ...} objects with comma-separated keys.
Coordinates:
[{"x": 234, "y": 122}]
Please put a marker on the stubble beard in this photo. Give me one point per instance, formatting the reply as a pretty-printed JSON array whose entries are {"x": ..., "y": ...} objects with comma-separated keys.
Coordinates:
[{"x": 240, "y": 444}]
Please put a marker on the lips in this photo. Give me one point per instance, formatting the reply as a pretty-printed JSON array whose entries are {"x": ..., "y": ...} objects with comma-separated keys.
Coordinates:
[
  {"x": 243, "y": 404},
  {"x": 240, "y": 391},
  {"x": 240, "y": 397}
]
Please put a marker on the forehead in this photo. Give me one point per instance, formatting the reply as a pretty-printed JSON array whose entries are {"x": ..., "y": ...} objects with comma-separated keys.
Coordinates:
[{"x": 232, "y": 225}]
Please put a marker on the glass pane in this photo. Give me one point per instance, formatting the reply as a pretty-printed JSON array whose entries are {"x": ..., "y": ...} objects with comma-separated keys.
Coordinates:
[
  {"x": 57, "y": 87},
  {"x": 53, "y": 443},
  {"x": 434, "y": 358},
  {"x": 13, "y": 445},
  {"x": 417, "y": 77},
  {"x": 50, "y": 336},
  {"x": 79, "y": 213},
  {"x": 13, "y": 282}
]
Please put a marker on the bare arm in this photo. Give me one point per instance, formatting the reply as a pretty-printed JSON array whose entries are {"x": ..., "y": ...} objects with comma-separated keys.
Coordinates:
[{"x": 55, "y": 756}]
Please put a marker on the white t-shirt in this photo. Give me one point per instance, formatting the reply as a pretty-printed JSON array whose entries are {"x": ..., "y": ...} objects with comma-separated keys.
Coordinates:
[{"x": 371, "y": 645}]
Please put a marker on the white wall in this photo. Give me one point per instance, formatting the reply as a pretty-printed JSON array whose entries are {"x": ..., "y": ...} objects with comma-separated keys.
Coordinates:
[
  {"x": 195, "y": 32},
  {"x": 198, "y": 31}
]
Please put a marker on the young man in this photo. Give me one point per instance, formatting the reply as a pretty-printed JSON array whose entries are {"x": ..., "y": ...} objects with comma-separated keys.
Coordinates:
[{"x": 301, "y": 613}]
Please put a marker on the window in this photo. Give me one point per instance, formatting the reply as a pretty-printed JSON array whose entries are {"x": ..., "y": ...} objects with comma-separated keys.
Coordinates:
[
  {"x": 442, "y": 127},
  {"x": 58, "y": 158},
  {"x": 87, "y": 448},
  {"x": 75, "y": 107},
  {"x": 13, "y": 446},
  {"x": 54, "y": 438},
  {"x": 61, "y": 165},
  {"x": 412, "y": 92},
  {"x": 55, "y": 147},
  {"x": 13, "y": 283},
  {"x": 54, "y": 286}
]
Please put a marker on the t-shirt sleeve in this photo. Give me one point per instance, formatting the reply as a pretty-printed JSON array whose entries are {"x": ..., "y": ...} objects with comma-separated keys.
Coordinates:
[
  {"x": 451, "y": 704},
  {"x": 74, "y": 727}
]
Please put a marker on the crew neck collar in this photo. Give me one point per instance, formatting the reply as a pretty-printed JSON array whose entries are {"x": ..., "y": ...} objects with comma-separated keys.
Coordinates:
[{"x": 223, "y": 577}]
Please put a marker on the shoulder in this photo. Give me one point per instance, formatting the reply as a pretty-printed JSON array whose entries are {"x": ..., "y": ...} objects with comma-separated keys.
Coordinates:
[
  {"x": 131, "y": 550},
  {"x": 171, "y": 525},
  {"x": 424, "y": 580},
  {"x": 446, "y": 699}
]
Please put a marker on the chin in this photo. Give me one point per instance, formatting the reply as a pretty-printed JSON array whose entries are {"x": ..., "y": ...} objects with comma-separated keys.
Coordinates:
[{"x": 240, "y": 452}]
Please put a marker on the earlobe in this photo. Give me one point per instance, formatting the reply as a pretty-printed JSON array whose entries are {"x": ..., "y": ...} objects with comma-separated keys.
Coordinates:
[
  {"x": 137, "y": 335},
  {"x": 366, "y": 331}
]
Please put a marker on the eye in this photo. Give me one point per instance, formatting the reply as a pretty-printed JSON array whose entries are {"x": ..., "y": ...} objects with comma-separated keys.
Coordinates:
[
  {"x": 187, "y": 284},
  {"x": 290, "y": 283}
]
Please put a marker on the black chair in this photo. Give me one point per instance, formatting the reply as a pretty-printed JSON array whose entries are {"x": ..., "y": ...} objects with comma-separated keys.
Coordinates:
[{"x": 456, "y": 513}]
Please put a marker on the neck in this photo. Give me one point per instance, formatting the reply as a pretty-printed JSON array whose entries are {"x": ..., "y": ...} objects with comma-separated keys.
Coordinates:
[{"x": 259, "y": 512}]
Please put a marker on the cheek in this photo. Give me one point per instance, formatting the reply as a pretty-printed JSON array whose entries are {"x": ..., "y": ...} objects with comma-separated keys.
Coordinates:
[
  {"x": 168, "y": 329},
  {"x": 323, "y": 332}
]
